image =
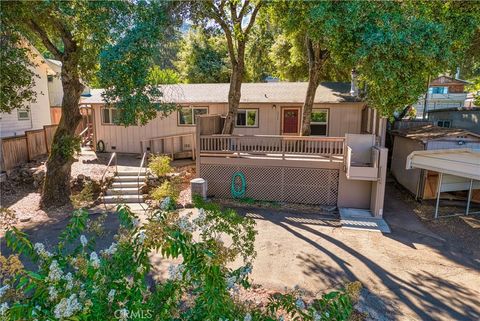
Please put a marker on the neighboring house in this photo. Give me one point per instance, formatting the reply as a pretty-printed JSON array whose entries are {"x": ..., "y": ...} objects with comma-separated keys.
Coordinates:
[
  {"x": 55, "y": 90},
  {"x": 464, "y": 118},
  {"x": 265, "y": 109},
  {"x": 443, "y": 93},
  {"x": 34, "y": 115},
  {"x": 422, "y": 183}
]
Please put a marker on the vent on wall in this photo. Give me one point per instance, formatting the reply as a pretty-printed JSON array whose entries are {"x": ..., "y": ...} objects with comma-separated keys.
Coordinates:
[
  {"x": 185, "y": 146},
  {"x": 114, "y": 147}
]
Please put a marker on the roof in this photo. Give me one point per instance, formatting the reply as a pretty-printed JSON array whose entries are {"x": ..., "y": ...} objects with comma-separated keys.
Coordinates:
[
  {"x": 430, "y": 132},
  {"x": 445, "y": 80},
  {"x": 273, "y": 92},
  {"x": 458, "y": 162}
]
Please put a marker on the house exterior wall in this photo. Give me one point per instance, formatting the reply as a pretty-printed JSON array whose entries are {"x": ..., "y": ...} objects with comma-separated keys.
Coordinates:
[
  {"x": 464, "y": 119},
  {"x": 402, "y": 147},
  {"x": 342, "y": 118},
  {"x": 39, "y": 110}
]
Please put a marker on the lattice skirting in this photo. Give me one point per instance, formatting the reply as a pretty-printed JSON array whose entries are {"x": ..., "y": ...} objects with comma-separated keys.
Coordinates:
[{"x": 283, "y": 184}]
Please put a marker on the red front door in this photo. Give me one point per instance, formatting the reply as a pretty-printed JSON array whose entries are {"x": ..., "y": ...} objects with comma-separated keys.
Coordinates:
[{"x": 290, "y": 121}]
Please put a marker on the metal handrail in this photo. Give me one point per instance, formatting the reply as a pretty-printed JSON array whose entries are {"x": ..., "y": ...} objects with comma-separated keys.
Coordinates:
[
  {"x": 83, "y": 131},
  {"x": 138, "y": 176},
  {"x": 114, "y": 155}
]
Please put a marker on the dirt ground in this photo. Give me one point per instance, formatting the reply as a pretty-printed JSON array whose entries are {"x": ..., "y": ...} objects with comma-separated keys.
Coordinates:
[{"x": 423, "y": 270}]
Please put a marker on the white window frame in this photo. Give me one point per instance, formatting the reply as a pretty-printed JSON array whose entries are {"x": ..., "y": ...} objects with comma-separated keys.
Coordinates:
[
  {"x": 247, "y": 110},
  {"x": 23, "y": 111},
  {"x": 326, "y": 110},
  {"x": 110, "y": 115},
  {"x": 192, "y": 111}
]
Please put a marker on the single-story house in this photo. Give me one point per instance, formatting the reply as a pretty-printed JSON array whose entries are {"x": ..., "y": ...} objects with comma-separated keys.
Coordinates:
[
  {"x": 265, "y": 109},
  {"x": 36, "y": 114},
  {"x": 423, "y": 183}
]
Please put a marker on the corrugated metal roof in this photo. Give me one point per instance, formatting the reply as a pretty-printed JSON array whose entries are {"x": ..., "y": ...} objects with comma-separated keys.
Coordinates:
[
  {"x": 277, "y": 92},
  {"x": 457, "y": 162},
  {"x": 430, "y": 132}
]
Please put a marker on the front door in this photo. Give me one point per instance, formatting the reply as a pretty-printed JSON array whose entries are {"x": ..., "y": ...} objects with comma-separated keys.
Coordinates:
[{"x": 290, "y": 121}]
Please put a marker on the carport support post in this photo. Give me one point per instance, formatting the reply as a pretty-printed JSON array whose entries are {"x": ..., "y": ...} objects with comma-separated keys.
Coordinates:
[
  {"x": 439, "y": 189},
  {"x": 469, "y": 197}
]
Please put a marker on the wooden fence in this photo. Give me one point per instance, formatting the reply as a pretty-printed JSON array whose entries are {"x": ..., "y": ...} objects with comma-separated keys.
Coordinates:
[{"x": 21, "y": 149}]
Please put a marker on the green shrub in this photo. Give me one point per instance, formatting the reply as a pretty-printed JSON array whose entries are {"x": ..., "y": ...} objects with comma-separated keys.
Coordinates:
[
  {"x": 166, "y": 189},
  {"x": 160, "y": 165},
  {"x": 73, "y": 282}
]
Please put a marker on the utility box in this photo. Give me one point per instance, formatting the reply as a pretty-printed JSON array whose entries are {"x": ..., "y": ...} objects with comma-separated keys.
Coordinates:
[{"x": 198, "y": 186}]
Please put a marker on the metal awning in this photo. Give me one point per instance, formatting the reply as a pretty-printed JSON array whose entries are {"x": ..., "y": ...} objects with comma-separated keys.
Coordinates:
[{"x": 454, "y": 164}]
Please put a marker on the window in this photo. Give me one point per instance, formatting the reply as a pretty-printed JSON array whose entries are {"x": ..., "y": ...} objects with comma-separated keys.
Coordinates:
[
  {"x": 187, "y": 115},
  {"x": 110, "y": 115},
  {"x": 438, "y": 90},
  {"x": 443, "y": 123},
  {"x": 247, "y": 118},
  {"x": 23, "y": 114},
  {"x": 319, "y": 122},
  {"x": 49, "y": 78}
]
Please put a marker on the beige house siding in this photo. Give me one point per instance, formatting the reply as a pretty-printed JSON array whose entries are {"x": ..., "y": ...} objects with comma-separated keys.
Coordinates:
[
  {"x": 343, "y": 118},
  {"x": 402, "y": 147}
]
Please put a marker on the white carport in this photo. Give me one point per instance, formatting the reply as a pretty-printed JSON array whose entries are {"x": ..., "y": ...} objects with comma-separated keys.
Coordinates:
[{"x": 459, "y": 170}]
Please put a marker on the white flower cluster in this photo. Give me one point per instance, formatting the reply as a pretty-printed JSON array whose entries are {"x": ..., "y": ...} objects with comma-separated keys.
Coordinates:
[
  {"x": 111, "y": 250},
  {"x": 52, "y": 292},
  {"x": 175, "y": 271},
  {"x": 67, "y": 307},
  {"x": 94, "y": 260},
  {"x": 69, "y": 278},
  {"x": 3, "y": 308},
  {"x": 4, "y": 290},
  {"x": 122, "y": 315},
  {"x": 111, "y": 295},
  {"x": 83, "y": 240},
  {"x": 248, "y": 317},
  {"x": 141, "y": 236},
  {"x": 233, "y": 280},
  {"x": 300, "y": 304},
  {"x": 185, "y": 225},
  {"x": 166, "y": 203},
  {"x": 55, "y": 273},
  {"x": 40, "y": 249}
]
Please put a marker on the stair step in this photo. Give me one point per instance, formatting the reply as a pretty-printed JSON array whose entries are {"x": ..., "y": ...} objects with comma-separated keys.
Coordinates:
[
  {"x": 109, "y": 199},
  {"x": 123, "y": 191},
  {"x": 129, "y": 178},
  {"x": 120, "y": 184},
  {"x": 130, "y": 173}
]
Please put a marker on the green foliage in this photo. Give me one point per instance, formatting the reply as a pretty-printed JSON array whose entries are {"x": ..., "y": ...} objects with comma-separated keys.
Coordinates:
[
  {"x": 77, "y": 283},
  {"x": 17, "y": 78},
  {"x": 86, "y": 196},
  {"x": 159, "y": 76},
  {"x": 66, "y": 146},
  {"x": 166, "y": 189},
  {"x": 203, "y": 58},
  {"x": 395, "y": 46},
  {"x": 160, "y": 165}
]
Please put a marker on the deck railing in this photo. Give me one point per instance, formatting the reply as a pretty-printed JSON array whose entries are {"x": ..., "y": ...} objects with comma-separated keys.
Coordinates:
[{"x": 271, "y": 145}]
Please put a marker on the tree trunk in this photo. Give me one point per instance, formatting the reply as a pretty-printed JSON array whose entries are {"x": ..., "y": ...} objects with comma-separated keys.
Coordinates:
[
  {"x": 316, "y": 59},
  {"x": 56, "y": 188},
  {"x": 234, "y": 92}
]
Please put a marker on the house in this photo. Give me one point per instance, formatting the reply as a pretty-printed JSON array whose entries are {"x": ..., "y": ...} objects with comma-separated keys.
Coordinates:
[
  {"x": 265, "y": 109},
  {"x": 464, "y": 118},
  {"x": 35, "y": 115},
  {"x": 55, "y": 91},
  {"x": 423, "y": 183},
  {"x": 343, "y": 163},
  {"x": 443, "y": 93}
]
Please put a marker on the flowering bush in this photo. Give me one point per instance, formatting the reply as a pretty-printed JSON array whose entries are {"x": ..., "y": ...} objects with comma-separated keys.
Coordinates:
[
  {"x": 75, "y": 282},
  {"x": 160, "y": 165}
]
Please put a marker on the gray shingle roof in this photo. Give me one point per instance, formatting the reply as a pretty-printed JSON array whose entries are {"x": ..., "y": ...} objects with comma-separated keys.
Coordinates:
[
  {"x": 430, "y": 132},
  {"x": 277, "y": 92}
]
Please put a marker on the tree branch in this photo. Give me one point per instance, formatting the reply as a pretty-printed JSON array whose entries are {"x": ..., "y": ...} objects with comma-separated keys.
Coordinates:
[
  {"x": 244, "y": 9},
  {"x": 219, "y": 16},
  {"x": 252, "y": 18},
  {"x": 45, "y": 39}
]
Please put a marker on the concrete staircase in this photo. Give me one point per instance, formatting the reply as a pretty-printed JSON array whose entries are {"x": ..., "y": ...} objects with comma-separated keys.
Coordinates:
[{"x": 125, "y": 188}]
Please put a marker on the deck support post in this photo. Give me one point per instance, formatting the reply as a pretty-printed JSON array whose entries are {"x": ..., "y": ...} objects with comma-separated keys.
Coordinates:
[
  {"x": 469, "y": 197},
  {"x": 439, "y": 189}
]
